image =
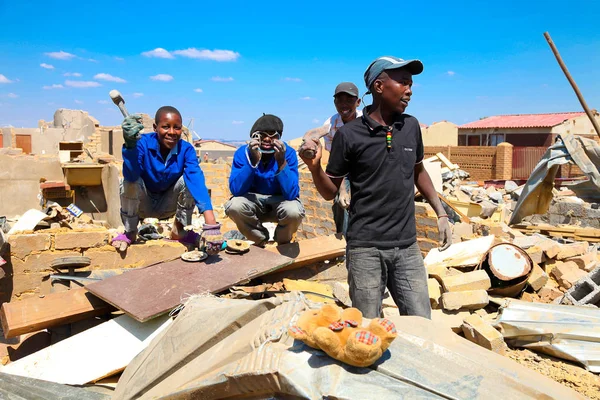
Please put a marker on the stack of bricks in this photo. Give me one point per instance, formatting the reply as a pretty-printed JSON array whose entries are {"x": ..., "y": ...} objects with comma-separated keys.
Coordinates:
[{"x": 31, "y": 254}]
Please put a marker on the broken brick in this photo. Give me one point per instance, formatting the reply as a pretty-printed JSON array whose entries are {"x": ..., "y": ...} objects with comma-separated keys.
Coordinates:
[
  {"x": 567, "y": 274},
  {"x": 586, "y": 262},
  {"x": 435, "y": 292},
  {"x": 468, "y": 281},
  {"x": 467, "y": 300},
  {"x": 23, "y": 245},
  {"x": 85, "y": 240},
  {"x": 538, "y": 278},
  {"x": 484, "y": 334},
  {"x": 536, "y": 254},
  {"x": 572, "y": 250}
]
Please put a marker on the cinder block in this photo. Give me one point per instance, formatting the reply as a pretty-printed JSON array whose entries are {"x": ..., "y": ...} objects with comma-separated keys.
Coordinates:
[
  {"x": 572, "y": 250},
  {"x": 538, "y": 278},
  {"x": 587, "y": 290},
  {"x": 465, "y": 300},
  {"x": 80, "y": 240},
  {"x": 435, "y": 292},
  {"x": 23, "y": 245},
  {"x": 567, "y": 274},
  {"x": 474, "y": 280},
  {"x": 484, "y": 334}
]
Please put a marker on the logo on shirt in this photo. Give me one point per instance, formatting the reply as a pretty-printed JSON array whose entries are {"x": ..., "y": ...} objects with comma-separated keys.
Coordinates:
[{"x": 408, "y": 149}]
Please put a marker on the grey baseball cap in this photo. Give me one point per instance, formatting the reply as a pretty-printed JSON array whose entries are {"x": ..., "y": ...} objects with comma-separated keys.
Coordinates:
[
  {"x": 389, "y": 62},
  {"x": 346, "y": 87}
]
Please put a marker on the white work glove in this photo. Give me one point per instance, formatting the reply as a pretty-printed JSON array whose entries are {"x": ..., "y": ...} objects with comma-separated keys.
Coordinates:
[{"x": 344, "y": 196}]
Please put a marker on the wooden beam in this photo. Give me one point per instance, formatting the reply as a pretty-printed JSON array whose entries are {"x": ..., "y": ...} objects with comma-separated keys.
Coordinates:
[
  {"x": 449, "y": 204},
  {"x": 310, "y": 251},
  {"x": 34, "y": 314}
]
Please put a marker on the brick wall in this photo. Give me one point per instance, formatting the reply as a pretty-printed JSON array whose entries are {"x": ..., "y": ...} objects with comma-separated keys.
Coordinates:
[
  {"x": 319, "y": 216},
  {"x": 28, "y": 268},
  {"x": 482, "y": 162},
  {"x": 427, "y": 231}
]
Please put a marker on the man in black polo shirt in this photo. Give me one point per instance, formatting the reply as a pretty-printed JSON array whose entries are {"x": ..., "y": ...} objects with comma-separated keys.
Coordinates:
[{"x": 382, "y": 155}]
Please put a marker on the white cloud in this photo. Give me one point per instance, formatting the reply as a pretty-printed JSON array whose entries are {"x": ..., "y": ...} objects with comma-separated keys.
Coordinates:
[
  {"x": 109, "y": 78},
  {"x": 162, "y": 77},
  {"x": 292, "y": 79},
  {"x": 237, "y": 122},
  {"x": 75, "y": 74},
  {"x": 119, "y": 59},
  {"x": 102, "y": 101},
  {"x": 315, "y": 121},
  {"x": 54, "y": 86},
  {"x": 4, "y": 79},
  {"x": 451, "y": 73},
  {"x": 158, "y": 53},
  {"x": 92, "y": 60},
  {"x": 136, "y": 95},
  {"x": 215, "y": 55},
  {"x": 82, "y": 84},
  {"x": 306, "y": 98},
  {"x": 78, "y": 102},
  {"x": 60, "y": 55},
  {"x": 47, "y": 66},
  {"x": 12, "y": 95},
  {"x": 221, "y": 79},
  {"x": 198, "y": 90}
]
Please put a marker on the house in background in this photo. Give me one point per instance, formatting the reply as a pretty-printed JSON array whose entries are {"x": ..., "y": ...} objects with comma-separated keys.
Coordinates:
[
  {"x": 525, "y": 130},
  {"x": 442, "y": 133},
  {"x": 214, "y": 148}
]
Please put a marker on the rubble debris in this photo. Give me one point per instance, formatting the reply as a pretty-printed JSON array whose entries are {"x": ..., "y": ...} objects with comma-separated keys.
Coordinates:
[
  {"x": 19, "y": 387},
  {"x": 460, "y": 255},
  {"x": 435, "y": 292},
  {"x": 567, "y": 274},
  {"x": 314, "y": 291},
  {"x": 484, "y": 334},
  {"x": 538, "y": 278},
  {"x": 28, "y": 221},
  {"x": 508, "y": 267},
  {"x": 474, "y": 280}
]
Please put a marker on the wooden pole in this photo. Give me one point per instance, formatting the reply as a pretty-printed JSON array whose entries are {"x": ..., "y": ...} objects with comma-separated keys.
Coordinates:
[{"x": 572, "y": 82}]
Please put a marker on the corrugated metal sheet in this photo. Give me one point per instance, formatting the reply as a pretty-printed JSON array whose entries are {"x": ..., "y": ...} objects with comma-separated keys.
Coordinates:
[
  {"x": 568, "y": 332},
  {"x": 521, "y": 121},
  {"x": 524, "y": 161}
]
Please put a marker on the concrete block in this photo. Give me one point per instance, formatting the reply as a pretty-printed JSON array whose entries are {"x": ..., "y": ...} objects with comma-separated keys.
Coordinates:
[
  {"x": 39, "y": 262},
  {"x": 465, "y": 300},
  {"x": 586, "y": 262},
  {"x": 23, "y": 245},
  {"x": 468, "y": 281},
  {"x": 538, "y": 278},
  {"x": 136, "y": 256},
  {"x": 80, "y": 240},
  {"x": 567, "y": 274},
  {"x": 572, "y": 250},
  {"x": 449, "y": 319},
  {"x": 435, "y": 292},
  {"x": 586, "y": 291},
  {"x": 536, "y": 254},
  {"x": 484, "y": 334}
]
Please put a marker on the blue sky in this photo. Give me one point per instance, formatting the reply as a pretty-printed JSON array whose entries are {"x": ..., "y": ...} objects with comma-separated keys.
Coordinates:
[{"x": 481, "y": 58}]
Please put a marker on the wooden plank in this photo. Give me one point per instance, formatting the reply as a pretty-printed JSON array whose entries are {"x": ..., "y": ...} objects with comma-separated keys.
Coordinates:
[
  {"x": 462, "y": 216},
  {"x": 310, "y": 251},
  {"x": 91, "y": 355},
  {"x": 447, "y": 162},
  {"x": 148, "y": 292},
  {"x": 34, "y": 314}
]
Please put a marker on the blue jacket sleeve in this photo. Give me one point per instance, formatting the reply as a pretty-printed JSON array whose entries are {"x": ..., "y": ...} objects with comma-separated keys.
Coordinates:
[
  {"x": 288, "y": 176},
  {"x": 194, "y": 179},
  {"x": 242, "y": 173},
  {"x": 132, "y": 161}
]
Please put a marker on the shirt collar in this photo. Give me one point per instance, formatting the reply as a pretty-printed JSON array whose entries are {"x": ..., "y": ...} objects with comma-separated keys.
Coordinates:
[
  {"x": 155, "y": 145},
  {"x": 375, "y": 126}
]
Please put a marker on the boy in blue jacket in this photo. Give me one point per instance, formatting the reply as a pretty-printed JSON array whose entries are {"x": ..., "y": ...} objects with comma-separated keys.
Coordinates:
[
  {"x": 264, "y": 184},
  {"x": 162, "y": 178}
]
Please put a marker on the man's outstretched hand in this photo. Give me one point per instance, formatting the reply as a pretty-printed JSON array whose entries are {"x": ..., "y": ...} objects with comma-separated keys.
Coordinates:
[{"x": 445, "y": 233}]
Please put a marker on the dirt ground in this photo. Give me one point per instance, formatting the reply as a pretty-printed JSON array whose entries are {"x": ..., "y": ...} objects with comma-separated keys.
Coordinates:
[{"x": 570, "y": 375}]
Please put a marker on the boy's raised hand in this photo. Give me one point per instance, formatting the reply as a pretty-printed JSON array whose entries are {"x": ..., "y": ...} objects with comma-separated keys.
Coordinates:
[
  {"x": 254, "y": 149},
  {"x": 132, "y": 126},
  {"x": 279, "y": 152}
]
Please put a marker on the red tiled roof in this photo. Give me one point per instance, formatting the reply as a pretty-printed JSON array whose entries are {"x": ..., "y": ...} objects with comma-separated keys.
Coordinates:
[{"x": 522, "y": 121}]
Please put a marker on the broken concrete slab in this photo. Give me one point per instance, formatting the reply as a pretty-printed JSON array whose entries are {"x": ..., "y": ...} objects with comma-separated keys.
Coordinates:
[{"x": 586, "y": 290}]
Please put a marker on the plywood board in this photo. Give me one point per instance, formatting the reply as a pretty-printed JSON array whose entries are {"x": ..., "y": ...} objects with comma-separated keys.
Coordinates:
[
  {"x": 309, "y": 251},
  {"x": 152, "y": 291},
  {"x": 34, "y": 314},
  {"x": 91, "y": 355}
]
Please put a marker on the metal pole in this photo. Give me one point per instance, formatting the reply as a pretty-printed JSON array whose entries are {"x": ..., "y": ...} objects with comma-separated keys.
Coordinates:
[{"x": 572, "y": 82}]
